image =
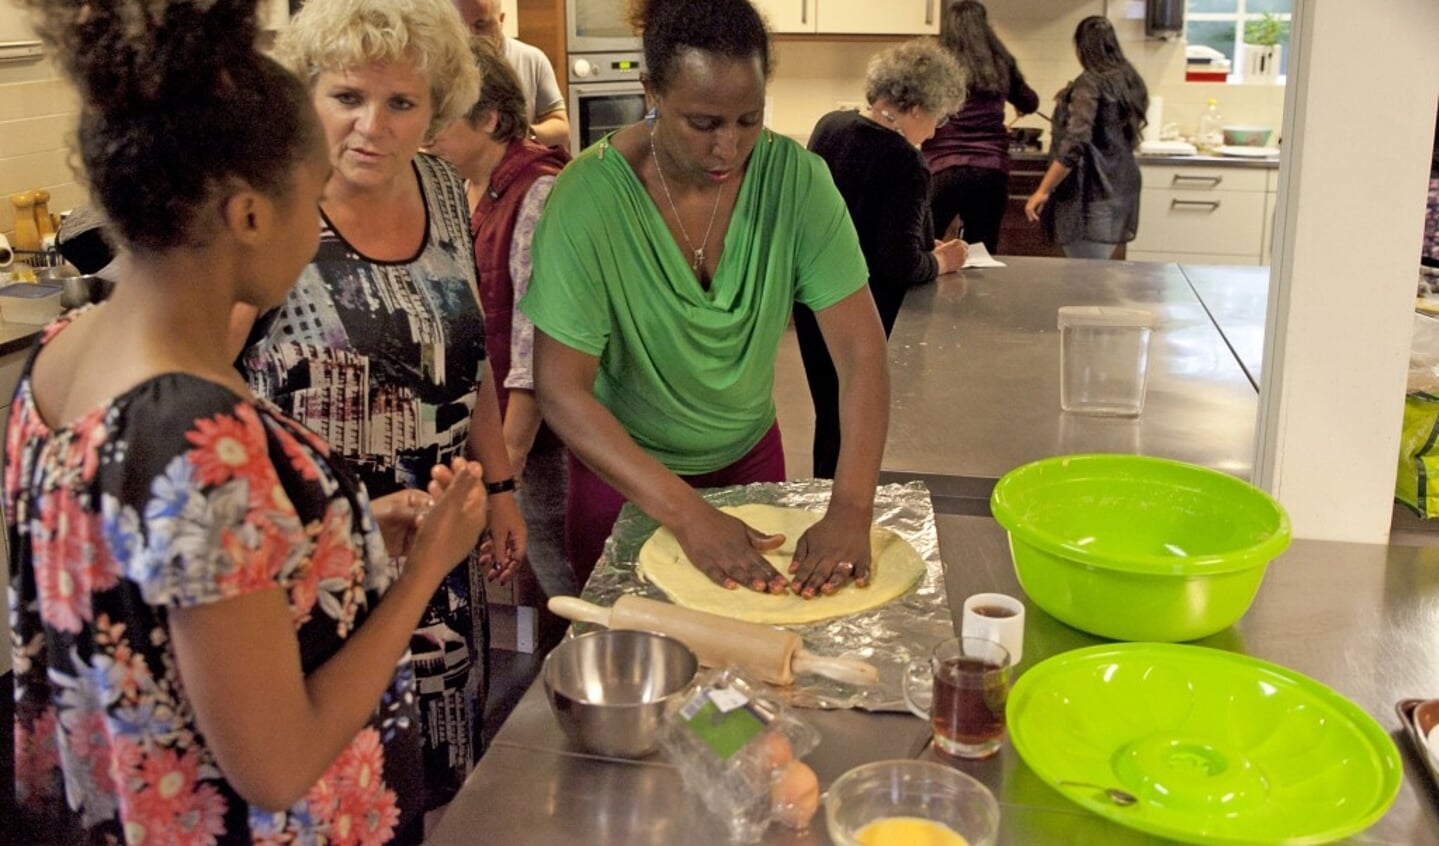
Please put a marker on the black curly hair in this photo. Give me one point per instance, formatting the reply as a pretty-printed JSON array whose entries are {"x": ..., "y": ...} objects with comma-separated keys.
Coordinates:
[
  {"x": 731, "y": 28},
  {"x": 176, "y": 104}
]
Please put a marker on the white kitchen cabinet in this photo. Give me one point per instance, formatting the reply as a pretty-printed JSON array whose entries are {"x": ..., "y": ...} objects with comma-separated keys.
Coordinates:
[
  {"x": 897, "y": 17},
  {"x": 852, "y": 17},
  {"x": 1201, "y": 214},
  {"x": 789, "y": 16}
]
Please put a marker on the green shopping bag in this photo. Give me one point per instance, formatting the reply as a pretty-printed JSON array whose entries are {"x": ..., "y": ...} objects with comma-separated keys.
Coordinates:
[{"x": 1417, "y": 482}]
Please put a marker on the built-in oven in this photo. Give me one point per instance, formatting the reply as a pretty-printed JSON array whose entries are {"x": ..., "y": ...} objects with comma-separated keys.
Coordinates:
[
  {"x": 598, "y": 26},
  {"x": 605, "y": 95}
]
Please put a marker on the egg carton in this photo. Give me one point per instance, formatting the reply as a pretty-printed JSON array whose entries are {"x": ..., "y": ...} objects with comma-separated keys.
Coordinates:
[{"x": 739, "y": 750}]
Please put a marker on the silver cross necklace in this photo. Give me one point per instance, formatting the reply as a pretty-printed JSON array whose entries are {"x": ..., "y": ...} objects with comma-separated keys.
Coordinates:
[{"x": 699, "y": 252}]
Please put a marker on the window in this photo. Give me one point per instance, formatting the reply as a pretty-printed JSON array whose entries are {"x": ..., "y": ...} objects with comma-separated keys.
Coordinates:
[{"x": 1219, "y": 24}]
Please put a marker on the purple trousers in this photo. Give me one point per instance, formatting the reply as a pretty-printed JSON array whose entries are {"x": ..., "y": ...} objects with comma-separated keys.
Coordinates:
[{"x": 593, "y": 505}]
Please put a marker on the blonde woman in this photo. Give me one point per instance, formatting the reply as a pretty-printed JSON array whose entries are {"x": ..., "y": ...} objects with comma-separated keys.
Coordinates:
[{"x": 380, "y": 346}]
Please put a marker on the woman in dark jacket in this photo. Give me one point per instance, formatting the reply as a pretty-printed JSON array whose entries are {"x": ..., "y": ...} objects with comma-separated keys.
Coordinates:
[
  {"x": 1093, "y": 179},
  {"x": 969, "y": 155},
  {"x": 509, "y": 177}
]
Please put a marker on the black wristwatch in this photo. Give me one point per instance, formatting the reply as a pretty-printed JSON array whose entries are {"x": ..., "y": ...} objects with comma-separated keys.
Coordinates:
[{"x": 502, "y": 486}]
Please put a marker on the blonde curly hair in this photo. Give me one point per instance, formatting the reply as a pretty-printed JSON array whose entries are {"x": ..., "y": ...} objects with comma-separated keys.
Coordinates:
[{"x": 331, "y": 35}]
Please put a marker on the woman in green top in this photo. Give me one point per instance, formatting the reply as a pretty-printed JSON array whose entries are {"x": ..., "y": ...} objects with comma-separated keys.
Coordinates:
[{"x": 666, "y": 264}]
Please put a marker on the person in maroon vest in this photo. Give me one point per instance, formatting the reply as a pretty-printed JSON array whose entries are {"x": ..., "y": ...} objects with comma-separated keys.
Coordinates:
[{"x": 509, "y": 177}]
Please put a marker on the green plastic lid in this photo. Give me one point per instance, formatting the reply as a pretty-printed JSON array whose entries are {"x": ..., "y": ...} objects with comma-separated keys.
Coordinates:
[{"x": 1219, "y": 748}]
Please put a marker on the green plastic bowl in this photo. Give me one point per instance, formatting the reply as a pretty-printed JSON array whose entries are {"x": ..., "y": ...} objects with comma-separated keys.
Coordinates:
[
  {"x": 1131, "y": 547},
  {"x": 1219, "y": 748}
]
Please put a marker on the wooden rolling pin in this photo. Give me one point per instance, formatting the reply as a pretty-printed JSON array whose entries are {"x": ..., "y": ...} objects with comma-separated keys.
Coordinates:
[{"x": 775, "y": 655}]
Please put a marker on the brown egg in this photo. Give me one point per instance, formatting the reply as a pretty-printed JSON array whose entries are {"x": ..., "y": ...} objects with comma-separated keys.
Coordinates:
[
  {"x": 794, "y": 795},
  {"x": 774, "y": 750}
]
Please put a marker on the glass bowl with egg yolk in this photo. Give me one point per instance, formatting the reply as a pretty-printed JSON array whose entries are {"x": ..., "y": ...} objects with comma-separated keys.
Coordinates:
[{"x": 914, "y": 803}]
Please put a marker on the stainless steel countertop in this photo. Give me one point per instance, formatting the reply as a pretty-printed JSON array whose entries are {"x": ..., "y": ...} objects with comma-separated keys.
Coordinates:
[
  {"x": 974, "y": 363},
  {"x": 15, "y": 337},
  {"x": 1237, "y": 299},
  {"x": 1358, "y": 618},
  {"x": 975, "y": 360}
]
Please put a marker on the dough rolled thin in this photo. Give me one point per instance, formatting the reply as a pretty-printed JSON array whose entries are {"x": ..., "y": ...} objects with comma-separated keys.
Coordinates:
[{"x": 895, "y": 568}]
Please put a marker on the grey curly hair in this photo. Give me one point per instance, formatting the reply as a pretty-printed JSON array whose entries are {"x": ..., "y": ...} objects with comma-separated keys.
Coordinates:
[{"x": 916, "y": 73}]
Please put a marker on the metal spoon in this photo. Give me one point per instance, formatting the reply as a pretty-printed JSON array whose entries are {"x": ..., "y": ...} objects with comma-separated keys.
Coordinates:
[{"x": 1117, "y": 796}]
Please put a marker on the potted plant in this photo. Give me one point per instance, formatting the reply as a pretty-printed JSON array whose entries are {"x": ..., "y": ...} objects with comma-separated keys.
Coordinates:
[{"x": 1261, "y": 46}]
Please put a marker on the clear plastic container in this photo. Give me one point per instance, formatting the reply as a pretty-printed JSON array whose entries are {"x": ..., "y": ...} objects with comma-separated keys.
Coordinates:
[
  {"x": 1210, "y": 135},
  {"x": 1104, "y": 359},
  {"x": 746, "y": 788}
]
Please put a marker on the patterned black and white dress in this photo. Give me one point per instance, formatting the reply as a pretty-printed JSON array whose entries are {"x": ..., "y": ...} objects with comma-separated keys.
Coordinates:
[{"x": 382, "y": 359}]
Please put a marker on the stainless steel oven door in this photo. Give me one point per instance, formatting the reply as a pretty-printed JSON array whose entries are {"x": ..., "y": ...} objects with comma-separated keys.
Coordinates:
[
  {"x": 599, "y": 108},
  {"x": 598, "y": 25}
]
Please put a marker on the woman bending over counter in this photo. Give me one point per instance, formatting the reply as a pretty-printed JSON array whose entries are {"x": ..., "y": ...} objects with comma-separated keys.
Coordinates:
[{"x": 666, "y": 265}]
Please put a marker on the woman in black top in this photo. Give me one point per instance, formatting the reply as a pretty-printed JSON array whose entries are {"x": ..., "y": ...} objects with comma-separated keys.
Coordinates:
[
  {"x": 1093, "y": 178},
  {"x": 874, "y": 157},
  {"x": 969, "y": 155}
]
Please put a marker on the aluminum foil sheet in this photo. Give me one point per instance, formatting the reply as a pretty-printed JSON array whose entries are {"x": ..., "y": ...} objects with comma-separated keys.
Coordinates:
[{"x": 888, "y": 636}]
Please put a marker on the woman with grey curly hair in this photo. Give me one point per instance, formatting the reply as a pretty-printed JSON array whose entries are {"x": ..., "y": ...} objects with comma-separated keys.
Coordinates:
[
  {"x": 379, "y": 347},
  {"x": 874, "y": 157}
]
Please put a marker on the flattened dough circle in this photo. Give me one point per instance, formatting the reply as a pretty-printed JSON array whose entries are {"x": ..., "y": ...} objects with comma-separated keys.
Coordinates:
[{"x": 896, "y": 567}]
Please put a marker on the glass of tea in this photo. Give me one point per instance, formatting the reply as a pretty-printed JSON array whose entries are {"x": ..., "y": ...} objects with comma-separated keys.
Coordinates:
[{"x": 961, "y": 688}]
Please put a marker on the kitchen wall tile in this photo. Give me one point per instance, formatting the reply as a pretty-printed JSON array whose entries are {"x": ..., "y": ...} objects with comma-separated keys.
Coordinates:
[
  {"x": 12, "y": 101},
  {"x": 49, "y": 167},
  {"x": 38, "y": 109},
  {"x": 67, "y": 195},
  {"x": 32, "y": 135},
  {"x": 50, "y": 97}
]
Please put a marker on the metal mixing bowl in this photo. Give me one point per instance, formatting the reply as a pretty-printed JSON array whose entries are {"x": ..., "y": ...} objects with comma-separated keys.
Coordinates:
[
  {"x": 82, "y": 290},
  {"x": 609, "y": 689}
]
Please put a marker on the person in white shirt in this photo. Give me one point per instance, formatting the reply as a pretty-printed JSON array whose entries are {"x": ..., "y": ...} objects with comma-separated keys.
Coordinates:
[{"x": 548, "y": 120}]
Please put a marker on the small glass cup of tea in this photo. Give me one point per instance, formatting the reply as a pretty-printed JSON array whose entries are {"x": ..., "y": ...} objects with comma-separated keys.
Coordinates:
[{"x": 961, "y": 688}]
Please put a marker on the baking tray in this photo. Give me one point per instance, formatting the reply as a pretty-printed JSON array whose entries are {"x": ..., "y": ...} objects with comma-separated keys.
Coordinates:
[{"x": 1405, "y": 708}]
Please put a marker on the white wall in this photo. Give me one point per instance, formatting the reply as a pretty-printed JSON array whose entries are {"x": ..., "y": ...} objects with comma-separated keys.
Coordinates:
[
  {"x": 812, "y": 75},
  {"x": 512, "y": 18},
  {"x": 1352, "y": 193}
]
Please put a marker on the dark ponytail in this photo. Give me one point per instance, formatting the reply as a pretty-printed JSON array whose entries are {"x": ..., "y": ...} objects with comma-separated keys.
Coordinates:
[
  {"x": 176, "y": 104},
  {"x": 730, "y": 28},
  {"x": 964, "y": 29}
]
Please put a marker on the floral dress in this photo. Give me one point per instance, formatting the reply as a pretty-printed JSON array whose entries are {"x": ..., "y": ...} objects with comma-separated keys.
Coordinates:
[{"x": 176, "y": 494}]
